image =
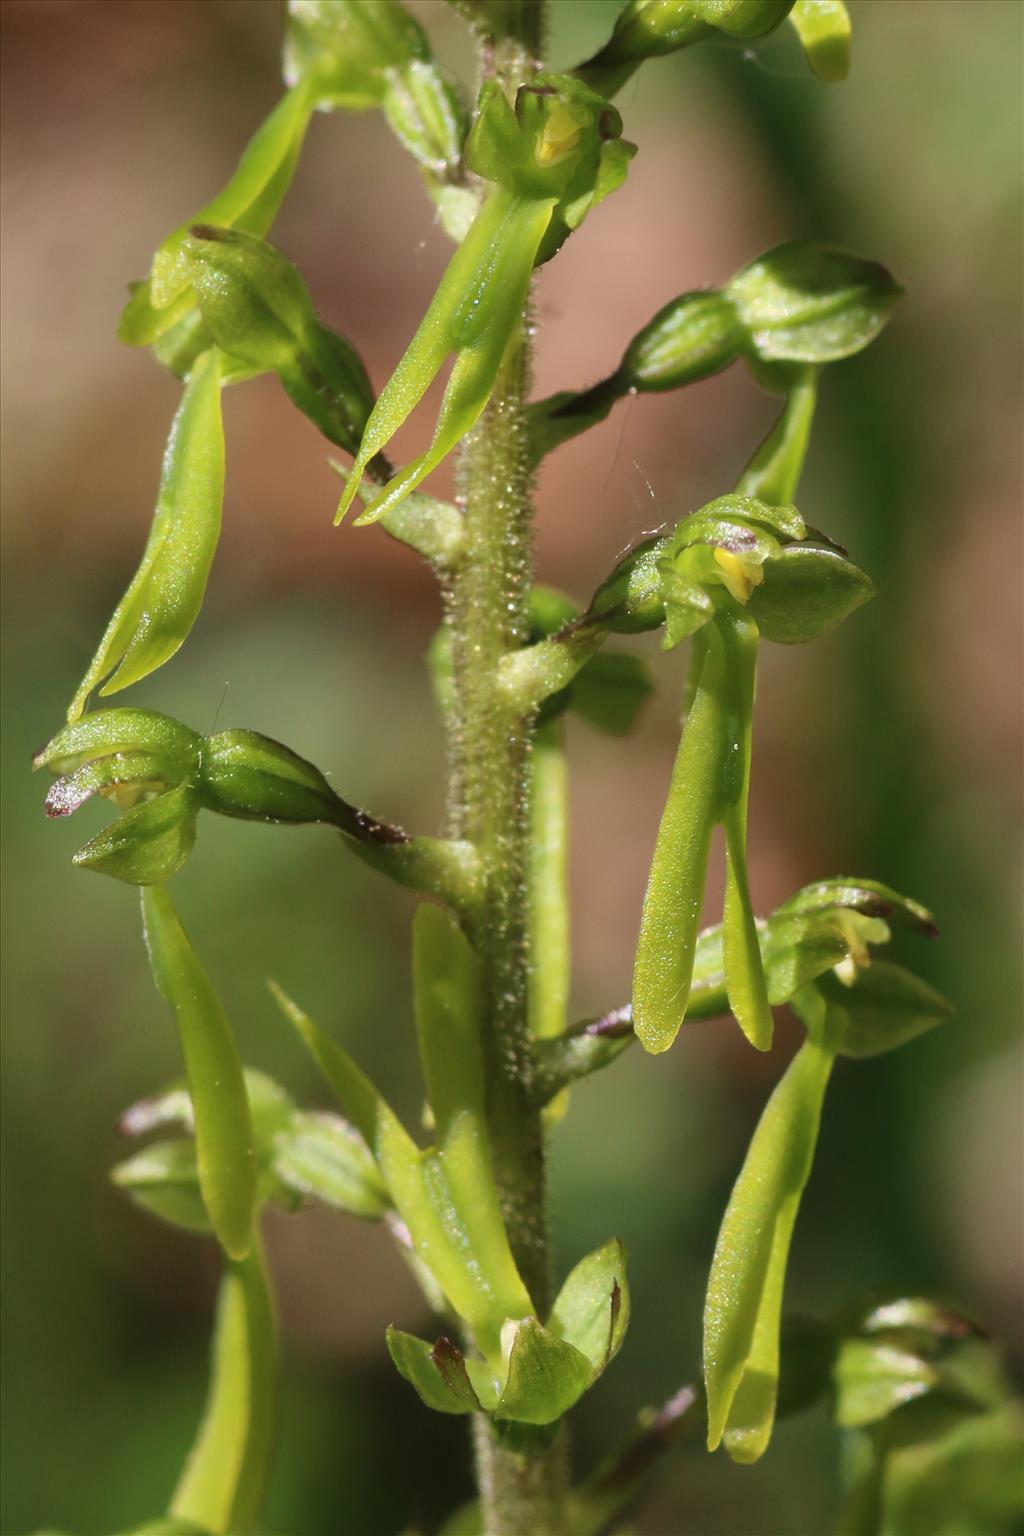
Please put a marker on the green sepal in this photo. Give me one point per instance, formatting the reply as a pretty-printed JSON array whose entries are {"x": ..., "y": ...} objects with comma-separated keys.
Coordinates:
[
  {"x": 808, "y": 303},
  {"x": 258, "y": 310},
  {"x": 105, "y": 732},
  {"x": 163, "y": 1179},
  {"x": 823, "y": 27},
  {"x": 868, "y": 897},
  {"x": 591, "y": 1311},
  {"x": 223, "y": 1122},
  {"x": 321, "y": 1157},
  {"x": 149, "y": 843},
  {"x": 742, "y": 1309},
  {"x": 251, "y": 297},
  {"x": 886, "y": 1006},
  {"x": 807, "y": 591},
  {"x": 905, "y": 1348},
  {"x": 166, "y": 593},
  {"x": 872, "y": 1379}
]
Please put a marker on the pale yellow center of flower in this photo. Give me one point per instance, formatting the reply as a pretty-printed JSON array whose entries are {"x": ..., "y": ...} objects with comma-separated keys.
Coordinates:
[
  {"x": 739, "y": 576},
  {"x": 560, "y": 136}
]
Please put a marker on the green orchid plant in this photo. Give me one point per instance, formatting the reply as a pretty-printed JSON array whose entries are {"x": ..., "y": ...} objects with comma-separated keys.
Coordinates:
[{"x": 914, "y": 1386}]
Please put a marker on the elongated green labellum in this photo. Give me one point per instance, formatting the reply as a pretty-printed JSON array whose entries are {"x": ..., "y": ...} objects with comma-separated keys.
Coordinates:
[
  {"x": 474, "y": 314},
  {"x": 663, "y": 969},
  {"x": 166, "y": 592},
  {"x": 249, "y": 201},
  {"x": 221, "y": 1487},
  {"x": 823, "y": 27},
  {"x": 224, "y": 1138},
  {"x": 744, "y": 1298},
  {"x": 744, "y": 974}
]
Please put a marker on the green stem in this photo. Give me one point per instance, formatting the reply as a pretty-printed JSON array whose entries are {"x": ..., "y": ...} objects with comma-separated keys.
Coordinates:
[
  {"x": 522, "y": 1487},
  {"x": 221, "y": 1488}
]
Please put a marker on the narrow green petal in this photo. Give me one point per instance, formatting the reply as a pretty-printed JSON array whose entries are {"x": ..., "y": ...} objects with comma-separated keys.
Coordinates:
[
  {"x": 165, "y": 595},
  {"x": 741, "y": 1310},
  {"x": 744, "y": 972},
  {"x": 670, "y": 920}
]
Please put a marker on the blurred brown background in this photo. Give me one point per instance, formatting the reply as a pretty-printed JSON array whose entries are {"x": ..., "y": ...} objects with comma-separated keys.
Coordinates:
[{"x": 891, "y": 748}]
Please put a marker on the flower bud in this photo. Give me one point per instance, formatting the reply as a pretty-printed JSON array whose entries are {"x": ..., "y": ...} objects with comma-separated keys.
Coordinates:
[
  {"x": 149, "y": 843},
  {"x": 692, "y": 337}
]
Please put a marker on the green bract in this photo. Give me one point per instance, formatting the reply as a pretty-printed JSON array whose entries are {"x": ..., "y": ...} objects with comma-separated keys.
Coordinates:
[
  {"x": 552, "y": 156},
  {"x": 166, "y": 593},
  {"x": 544, "y": 1369}
]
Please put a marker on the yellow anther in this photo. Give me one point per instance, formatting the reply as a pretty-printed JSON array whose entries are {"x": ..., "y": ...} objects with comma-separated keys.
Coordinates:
[
  {"x": 560, "y": 136},
  {"x": 739, "y": 576}
]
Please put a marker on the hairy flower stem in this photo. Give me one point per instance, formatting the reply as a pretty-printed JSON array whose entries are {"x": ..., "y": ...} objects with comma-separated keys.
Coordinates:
[{"x": 522, "y": 1487}]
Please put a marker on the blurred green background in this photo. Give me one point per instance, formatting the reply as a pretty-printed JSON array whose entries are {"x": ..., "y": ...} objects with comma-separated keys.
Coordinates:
[{"x": 891, "y": 748}]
